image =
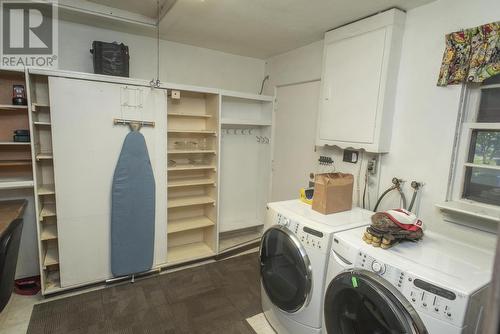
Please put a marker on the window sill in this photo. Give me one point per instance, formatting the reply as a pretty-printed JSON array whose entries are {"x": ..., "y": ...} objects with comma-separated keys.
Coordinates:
[{"x": 466, "y": 210}]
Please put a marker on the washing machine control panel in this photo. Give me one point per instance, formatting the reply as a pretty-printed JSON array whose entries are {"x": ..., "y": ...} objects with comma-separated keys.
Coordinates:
[
  {"x": 424, "y": 296},
  {"x": 309, "y": 237}
]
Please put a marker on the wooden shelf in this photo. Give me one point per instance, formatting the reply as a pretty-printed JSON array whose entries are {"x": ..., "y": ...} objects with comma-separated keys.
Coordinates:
[
  {"x": 12, "y": 107},
  {"x": 14, "y": 143},
  {"x": 191, "y": 152},
  {"x": 12, "y": 163},
  {"x": 204, "y": 132},
  {"x": 51, "y": 257},
  {"x": 190, "y": 167},
  {"x": 188, "y": 252},
  {"x": 52, "y": 281},
  {"x": 186, "y": 224},
  {"x": 189, "y": 115},
  {"x": 227, "y": 121},
  {"x": 44, "y": 156},
  {"x": 190, "y": 182},
  {"x": 49, "y": 232},
  {"x": 21, "y": 184},
  {"x": 189, "y": 201},
  {"x": 46, "y": 189},
  {"x": 35, "y": 106},
  {"x": 42, "y": 123},
  {"x": 49, "y": 210}
]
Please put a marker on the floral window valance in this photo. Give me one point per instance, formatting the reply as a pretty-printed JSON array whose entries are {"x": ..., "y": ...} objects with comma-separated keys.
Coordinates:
[{"x": 471, "y": 55}]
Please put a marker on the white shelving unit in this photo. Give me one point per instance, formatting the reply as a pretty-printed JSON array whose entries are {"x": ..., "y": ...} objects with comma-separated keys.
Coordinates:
[
  {"x": 15, "y": 157},
  {"x": 245, "y": 165},
  {"x": 193, "y": 148},
  {"x": 43, "y": 172},
  {"x": 216, "y": 173}
]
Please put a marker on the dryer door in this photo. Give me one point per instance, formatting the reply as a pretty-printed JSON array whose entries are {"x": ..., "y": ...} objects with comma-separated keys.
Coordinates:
[
  {"x": 359, "y": 301},
  {"x": 285, "y": 269}
]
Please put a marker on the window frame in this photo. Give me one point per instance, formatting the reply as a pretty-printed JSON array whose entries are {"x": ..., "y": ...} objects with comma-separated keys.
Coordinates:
[{"x": 466, "y": 124}]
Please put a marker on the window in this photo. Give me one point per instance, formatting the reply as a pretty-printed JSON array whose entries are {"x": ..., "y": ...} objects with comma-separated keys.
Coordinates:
[{"x": 477, "y": 166}]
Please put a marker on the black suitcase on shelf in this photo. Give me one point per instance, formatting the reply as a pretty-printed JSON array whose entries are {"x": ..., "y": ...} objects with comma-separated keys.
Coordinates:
[{"x": 110, "y": 58}]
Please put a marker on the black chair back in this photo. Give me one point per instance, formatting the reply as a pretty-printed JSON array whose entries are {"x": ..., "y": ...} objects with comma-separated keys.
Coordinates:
[{"x": 9, "y": 250}]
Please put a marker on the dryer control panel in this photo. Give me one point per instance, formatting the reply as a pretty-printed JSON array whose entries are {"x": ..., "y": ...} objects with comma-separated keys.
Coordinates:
[
  {"x": 309, "y": 237},
  {"x": 438, "y": 302}
]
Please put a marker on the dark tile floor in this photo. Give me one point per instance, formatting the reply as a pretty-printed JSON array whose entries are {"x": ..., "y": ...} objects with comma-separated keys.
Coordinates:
[{"x": 213, "y": 298}]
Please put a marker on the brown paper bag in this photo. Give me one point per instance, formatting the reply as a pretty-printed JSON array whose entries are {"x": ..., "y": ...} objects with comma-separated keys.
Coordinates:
[{"x": 332, "y": 192}]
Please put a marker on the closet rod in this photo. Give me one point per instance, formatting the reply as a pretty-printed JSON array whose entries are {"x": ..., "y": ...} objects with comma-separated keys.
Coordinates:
[{"x": 120, "y": 121}]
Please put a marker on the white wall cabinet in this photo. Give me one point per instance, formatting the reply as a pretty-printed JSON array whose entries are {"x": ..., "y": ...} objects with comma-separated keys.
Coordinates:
[{"x": 360, "y": 68}]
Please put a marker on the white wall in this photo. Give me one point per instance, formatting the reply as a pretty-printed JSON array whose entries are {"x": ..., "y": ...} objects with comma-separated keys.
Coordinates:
[
  {"x": 425, "y": 117},
  {"x": 179, "y": 63}
]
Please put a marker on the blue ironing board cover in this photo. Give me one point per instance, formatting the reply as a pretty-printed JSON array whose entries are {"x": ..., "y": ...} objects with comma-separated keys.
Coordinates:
[{"x": 132, "y": 209}]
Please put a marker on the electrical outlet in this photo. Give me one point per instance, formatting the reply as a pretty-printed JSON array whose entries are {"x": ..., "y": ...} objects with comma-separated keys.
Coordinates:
[{"x": 351, "y": 156}]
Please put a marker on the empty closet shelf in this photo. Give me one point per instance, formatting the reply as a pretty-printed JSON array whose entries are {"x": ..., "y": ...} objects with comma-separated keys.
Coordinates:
[
  {"x": 186, "y": 224},
  {"x": 191, "y": 152},
  {"x": 51, "y": 257},
  {"x": 36, "y": 106},
  {"x": 44, "y": 156},
  {"x": 46, "y": 189},
  {"x": 188, "y": 251},
  {"x": 49, "y": 210},
  {"x": 12, "y": 107},
  {"x": 190, "y": 182},
  {"x": 190, "y": 167},
  {"x": 49, "y": 232},
  {"x": 204, "y": 132},
  {"x": 52, "y": 281},
  {"x": 189, "y": 115},
  {"x": 21, "y": 184},
  {"x": 188, "y": 201}
]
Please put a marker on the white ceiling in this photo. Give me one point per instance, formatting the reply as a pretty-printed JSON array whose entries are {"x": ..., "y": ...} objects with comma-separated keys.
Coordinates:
[
  {"x": 143, "y": 7},
  {"x": 256, "y": 28}
]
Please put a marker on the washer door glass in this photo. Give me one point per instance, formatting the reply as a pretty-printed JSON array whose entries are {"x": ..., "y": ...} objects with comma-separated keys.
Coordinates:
[
  {"x": 285, "y": 269},
  {"x": 361, "y": 302}
]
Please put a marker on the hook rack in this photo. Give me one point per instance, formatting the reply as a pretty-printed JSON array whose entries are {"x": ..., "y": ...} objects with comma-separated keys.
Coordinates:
[
  {"x": 121, "y": 121},
  {"x": 246, "y": 132}
]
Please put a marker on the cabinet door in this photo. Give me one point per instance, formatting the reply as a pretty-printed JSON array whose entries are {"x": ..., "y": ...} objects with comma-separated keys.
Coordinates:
[
  {"x": 351, "y": 82},
  {"x": 86, "y": 147}
]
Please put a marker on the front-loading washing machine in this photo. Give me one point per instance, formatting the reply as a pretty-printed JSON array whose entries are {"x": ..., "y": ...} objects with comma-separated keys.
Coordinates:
[
  {"x": 293, "y": 260},
  {"x": 437, "y": 286}
]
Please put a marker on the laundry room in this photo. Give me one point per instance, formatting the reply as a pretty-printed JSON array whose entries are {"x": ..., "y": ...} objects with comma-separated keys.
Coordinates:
[{"x": 260, "y": 167}]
